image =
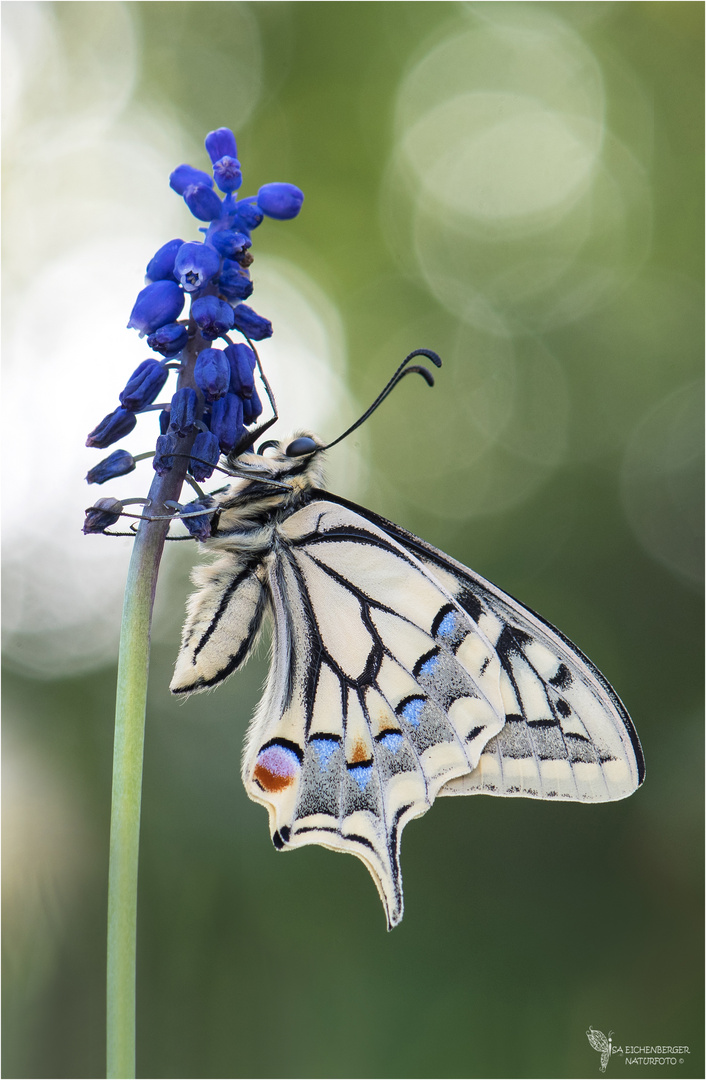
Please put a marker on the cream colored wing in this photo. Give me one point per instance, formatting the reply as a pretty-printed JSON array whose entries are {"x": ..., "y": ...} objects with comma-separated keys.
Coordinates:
[
  {"x": 567, "y": 734},
  {"x": 223, "y": 621},
  {"x": 382, "y": 690}
]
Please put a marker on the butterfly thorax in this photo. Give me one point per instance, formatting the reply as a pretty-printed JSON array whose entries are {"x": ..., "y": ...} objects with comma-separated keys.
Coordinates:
[{"x": 251, "y": 509}]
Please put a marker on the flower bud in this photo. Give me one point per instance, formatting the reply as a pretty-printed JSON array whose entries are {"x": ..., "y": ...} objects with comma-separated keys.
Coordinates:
[
  {"x": 200, "y": 526},
  {"x": 104, "y": 513},
  {"x": 119, "y": 463},
  {"x": 203, "y": 202},
  {"x": 252, "y": 407},
  {"x": 229, "y": 243},
  {"x": 157, "y": 304},
  {"x": 111, "y": 428},
  {"x": 212, "y": 373},
  {"x": 227, "y": 174},
  {"x": 196, "y": 264},
  {"x": 169, "y": 340},
  {"x": 227, "y": 421},
  {"x": 212, "y": 316},
  {"x": 281, "y": 201},
  {"x": 204, "y": 455},
  {"x": 220, "y": 143},
  {"x": 163, "y": 460},
  {"x": 246, "y": 215},
  {"x": 182, "y": 416},
  {"x": 250, "y": 323},
  {"x": 234, "y": 282},
  {"x": 185, "y": 176},
  {"x": 161, "y": 265},
  {"x": 143, "y": 385},
  {"x": 242, "y": 369}
]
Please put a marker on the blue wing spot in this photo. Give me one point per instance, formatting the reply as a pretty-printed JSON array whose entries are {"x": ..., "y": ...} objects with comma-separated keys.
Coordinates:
[
  {"x": 411, "y": 710},
  {"x": 447, "y": 626},
  {"x": 429, "y": 665},
  {"x": 325, "y": 749},
  {"x": 361, "y": 774},
  {"x": 392, "y": 740}
]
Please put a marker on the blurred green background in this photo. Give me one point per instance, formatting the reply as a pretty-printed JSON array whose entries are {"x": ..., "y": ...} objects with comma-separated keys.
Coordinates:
[{"x": 519, "y": 187}]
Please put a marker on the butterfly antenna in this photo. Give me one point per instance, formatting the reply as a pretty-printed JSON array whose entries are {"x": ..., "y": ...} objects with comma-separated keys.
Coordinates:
[{"x": 399, "y": 375}]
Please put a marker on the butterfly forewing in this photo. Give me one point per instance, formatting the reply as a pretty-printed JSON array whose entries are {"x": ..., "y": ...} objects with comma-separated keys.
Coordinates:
[
  {"x": 223, "y": 621},
  {"x": 382, "y": 689},
  {"x": 567, "y": 735}
]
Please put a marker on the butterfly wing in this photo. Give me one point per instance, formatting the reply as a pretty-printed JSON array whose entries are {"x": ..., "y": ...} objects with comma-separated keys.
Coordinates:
[
  {"x": 223, "y": 620},
  {"x": 382, "y": 689},
  {"x": 567, "y": 735},
  {"x": 397, "y": 675},
  {"x": 597, "y": 1040}
]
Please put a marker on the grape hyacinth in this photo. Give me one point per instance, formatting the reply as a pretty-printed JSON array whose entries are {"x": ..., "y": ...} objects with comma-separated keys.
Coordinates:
[
  {"x": 212, "y": 409},
  {"x": 215, "y": 401}
]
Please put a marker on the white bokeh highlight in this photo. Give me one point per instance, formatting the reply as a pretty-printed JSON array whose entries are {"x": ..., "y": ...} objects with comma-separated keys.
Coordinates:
[{"x": 72, "y": 275}]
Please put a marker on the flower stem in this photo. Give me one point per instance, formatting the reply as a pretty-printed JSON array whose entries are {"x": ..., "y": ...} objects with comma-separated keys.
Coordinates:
[
  {"x": 130, "y": 711},
  {"x": 127, "y": 791}
]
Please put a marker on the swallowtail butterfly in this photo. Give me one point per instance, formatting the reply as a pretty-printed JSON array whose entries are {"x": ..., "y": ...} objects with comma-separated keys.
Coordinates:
[{"x": 397, "y": 673}]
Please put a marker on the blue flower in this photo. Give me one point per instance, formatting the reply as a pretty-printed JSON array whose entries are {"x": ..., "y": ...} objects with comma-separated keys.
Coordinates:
[
  {"x": 212, "y": 316},
  {"x": 157, "y": 304},
  {"x": 167, "y": 447},
  {"x": 242, "y": 369},
  {"x": 185, "y": 176},
  {"x": 204, "y": 455},
  {"x": 234, "y": 282},
  {"x": 220, "y": 143},
  {"x": 195, "y": 265},
  {"x": 182, "y": 415},
  {"x": 229, "y": 243},
  {"x": 199, "y": 526},
  {"x": 212, "y": 373},
  {"x": 227, "y": 174},
  {"x": 203, "y": 202},
  {"x": 246, "y": 215},
  {"x": 143, "y": 385},
  {"x": 250, "y": 323},
  {"x": 111, "y": 428},
  {"x": 169, "y": 340},
  {"x": 119, "y": 463},
  {"x": 161, "y": 265},
  {"x": 104, "y": 513},
  {"x": 282, "y": 201},
  {"x": 227, "y": 421},
  {"x": 218, "y": 397},
  {"x": 252, "y": 407}
]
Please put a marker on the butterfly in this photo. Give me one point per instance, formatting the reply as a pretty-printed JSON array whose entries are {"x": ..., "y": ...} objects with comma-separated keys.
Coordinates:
[
  {"x": 397, "y": 673},
  {"x": 599, "y": 1042}
]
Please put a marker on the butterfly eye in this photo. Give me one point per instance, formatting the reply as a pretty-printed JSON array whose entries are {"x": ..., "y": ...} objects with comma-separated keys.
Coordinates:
[
  {"x": 301, "y": 446},
  {"x": 267, "y": 445}
]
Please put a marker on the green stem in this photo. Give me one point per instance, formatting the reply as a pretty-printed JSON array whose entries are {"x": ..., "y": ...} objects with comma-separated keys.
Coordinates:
[{"x": 130, "y": 711}]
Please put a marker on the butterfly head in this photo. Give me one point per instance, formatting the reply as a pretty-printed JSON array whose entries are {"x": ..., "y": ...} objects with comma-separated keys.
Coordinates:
[{"x": 294, "y": 463}]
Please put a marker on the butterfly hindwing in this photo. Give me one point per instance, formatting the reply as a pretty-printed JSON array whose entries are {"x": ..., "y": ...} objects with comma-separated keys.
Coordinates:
[{"x": 382, "y": 690}]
